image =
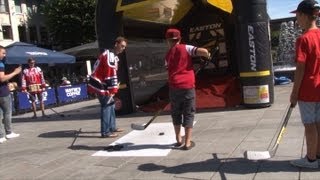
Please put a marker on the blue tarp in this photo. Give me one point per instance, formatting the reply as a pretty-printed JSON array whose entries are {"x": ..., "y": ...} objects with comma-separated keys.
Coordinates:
[{"x": 19, "y": 52}]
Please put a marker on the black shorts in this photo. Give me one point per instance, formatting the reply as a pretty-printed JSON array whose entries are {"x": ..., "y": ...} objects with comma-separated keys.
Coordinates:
[
  {"x": 32, "y": 97},
  {"x": 182, "y": 106}
]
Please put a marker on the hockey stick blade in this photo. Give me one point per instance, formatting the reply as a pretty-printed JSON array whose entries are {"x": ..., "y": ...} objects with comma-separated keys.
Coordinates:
[
  {"x": 143, "y": 127},
  {"x": 257, "y": 155},
  {"x": 137, "y": 127},
  {"x": 260, "y": 155}
]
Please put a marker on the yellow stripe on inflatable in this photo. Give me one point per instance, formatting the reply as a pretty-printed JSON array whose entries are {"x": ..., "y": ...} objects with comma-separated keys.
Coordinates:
[{"x": 255, "y": 74}]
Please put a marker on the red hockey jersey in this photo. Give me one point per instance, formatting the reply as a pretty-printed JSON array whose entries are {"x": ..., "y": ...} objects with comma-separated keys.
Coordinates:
[
  {"x": 33, "y": 77},
  {"x": 104, "y": 80}
]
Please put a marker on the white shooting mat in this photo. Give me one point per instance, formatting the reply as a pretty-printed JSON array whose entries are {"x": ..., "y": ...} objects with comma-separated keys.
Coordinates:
[{"x": 146, "y": 142}]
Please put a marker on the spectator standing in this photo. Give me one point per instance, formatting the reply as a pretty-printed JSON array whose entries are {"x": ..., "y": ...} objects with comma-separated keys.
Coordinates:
[
  {"x": 34, "y": 84},
  {"x": 5, "y": 100}
]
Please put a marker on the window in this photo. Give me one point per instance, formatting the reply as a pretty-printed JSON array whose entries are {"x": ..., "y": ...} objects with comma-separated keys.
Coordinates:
[
  {"x": 17, "y": 3},
  {"x": 3, "y": 6},
  {"x": 22, "y": 33},
  {"x": 33, "y": 34},
  {"x": 44, "y": 35},
  {"x": 29, "y": 7},
  {"x": 7, "y": 32}
]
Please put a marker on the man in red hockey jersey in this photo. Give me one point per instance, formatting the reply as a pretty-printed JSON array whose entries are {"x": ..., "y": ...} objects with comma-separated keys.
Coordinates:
[
  {"x": 104, "y": 82},
  {"x": 34, "y": 83}
]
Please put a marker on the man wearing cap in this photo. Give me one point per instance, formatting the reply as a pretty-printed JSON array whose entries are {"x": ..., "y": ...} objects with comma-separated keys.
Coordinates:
[
  {"x": 181, "y": 79},
  {"x": 306, "y": 86}
]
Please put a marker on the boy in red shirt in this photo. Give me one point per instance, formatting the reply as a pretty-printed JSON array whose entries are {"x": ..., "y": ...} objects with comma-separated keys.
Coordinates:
[
  {"x": 181, "y": 79},
  {"x": 306, "y": 88}
]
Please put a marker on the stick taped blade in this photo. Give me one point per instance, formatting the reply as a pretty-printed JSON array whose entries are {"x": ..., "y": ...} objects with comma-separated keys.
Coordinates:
[
  {"x": 137, "y": 126},
  {"x": 257, "y": 155}
]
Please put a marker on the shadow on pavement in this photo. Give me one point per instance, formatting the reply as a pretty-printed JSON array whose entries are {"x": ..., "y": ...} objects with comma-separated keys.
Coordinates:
[
  {"x": 92, "y": 112},
  {"x": 70, "y": 134},
  {"x": 226, "y": 165}
]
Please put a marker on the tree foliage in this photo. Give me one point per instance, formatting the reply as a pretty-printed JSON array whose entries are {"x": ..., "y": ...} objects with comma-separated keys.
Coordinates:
[{"x": 70, "y": 22}]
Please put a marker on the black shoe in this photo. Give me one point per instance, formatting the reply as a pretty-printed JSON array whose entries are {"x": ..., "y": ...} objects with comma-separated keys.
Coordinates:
[
  {"x": 113, "y": 135},
  {"x": 45, "y": 116},
  {"x": 110, "y": 148}
]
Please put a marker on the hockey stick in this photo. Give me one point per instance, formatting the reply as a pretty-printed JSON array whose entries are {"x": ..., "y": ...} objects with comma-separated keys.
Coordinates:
[
  {"x": 120, "y": 87},
  {"x": 260, "y": 155},
  {"x": 143, "y": 127},
  {"x": 61, "y": 115}
]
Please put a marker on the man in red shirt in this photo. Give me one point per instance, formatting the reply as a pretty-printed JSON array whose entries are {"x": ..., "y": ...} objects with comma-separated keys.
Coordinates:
[
  {"x": 306, "y": 88},
  {"x": 33, "y": 82},
  {"x": 181, "y": 79}
]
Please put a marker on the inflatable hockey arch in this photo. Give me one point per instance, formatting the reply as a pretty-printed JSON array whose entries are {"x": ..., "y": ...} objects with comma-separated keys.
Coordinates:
[{"x": 240, "y": 27}]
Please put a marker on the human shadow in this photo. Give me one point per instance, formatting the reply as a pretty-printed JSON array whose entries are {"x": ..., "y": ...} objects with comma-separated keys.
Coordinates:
[
  {"x": 86, "y": 113},
  {"x": 225, "y": 166}
]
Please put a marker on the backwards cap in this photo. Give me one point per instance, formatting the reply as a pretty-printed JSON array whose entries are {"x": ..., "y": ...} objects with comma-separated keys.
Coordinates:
[
  {"x": 310, "y": 7},
  {"x": 173, "y": 34}
]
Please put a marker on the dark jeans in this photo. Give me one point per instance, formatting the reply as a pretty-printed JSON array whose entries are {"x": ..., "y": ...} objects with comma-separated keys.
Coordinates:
[
  {"x": 108, "y": 115},
  {"x": 5, "y": 115},
  {"x": 182, "y": 106}
]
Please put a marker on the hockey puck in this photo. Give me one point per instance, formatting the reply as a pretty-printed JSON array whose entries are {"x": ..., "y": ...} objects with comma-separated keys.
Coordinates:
[{"x": 161, "y": 134}]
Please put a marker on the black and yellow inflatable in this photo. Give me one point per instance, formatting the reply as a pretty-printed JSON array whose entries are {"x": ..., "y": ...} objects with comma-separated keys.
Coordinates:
[{"x": 240, "y": 28}]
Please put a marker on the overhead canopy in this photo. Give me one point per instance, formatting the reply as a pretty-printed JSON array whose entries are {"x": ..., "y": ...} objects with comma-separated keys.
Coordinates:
[
  {"x": 19, "y": 52},
  {"x": 84, "y": 51},
  {"x": 164, "y": 11}
]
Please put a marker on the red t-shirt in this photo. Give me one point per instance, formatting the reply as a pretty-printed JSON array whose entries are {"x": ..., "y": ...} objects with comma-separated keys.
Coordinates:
[
  {"x": 308, "y": 52},
  {"x": 180, "y": 66}
]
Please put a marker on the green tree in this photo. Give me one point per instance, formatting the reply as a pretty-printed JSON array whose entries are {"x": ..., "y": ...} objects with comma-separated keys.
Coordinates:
[{"x": 70, "y": 22}]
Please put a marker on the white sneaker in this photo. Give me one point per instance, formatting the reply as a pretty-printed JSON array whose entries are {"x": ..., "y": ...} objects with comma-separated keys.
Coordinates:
[
  {"x": 12, "y": 135},
  {"x": 2, "y": 140},
  {"x": 304, "y": 163}
]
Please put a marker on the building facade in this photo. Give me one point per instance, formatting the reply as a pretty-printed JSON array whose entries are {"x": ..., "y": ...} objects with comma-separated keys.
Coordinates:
[{"x": 21, "y": 20}]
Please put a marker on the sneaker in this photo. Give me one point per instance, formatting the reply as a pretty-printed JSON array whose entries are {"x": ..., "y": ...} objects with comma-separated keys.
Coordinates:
[
  {"x": 304, "y": 163},
  {"x": 2, "y": 140},
  {"x": 12, "y": 135}
]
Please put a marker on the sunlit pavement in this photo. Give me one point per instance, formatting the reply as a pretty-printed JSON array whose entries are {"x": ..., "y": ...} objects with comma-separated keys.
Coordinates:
[{"x": 61, "y": 147}]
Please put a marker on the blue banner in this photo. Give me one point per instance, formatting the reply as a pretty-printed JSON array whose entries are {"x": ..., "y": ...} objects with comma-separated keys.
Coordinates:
[
  {"x": 72, "y": 93},
  {"x": 49, "y": 97}
]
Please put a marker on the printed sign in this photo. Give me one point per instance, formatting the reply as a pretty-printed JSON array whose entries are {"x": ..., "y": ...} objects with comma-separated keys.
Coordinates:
[
  {"x": 256, "y": 94},
  {"x": 72, "y": 93},
  {"x": 49, "y": 97}
]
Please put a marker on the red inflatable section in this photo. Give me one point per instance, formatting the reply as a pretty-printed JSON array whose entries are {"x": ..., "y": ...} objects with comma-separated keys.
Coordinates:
[{"x": 217, "y": 92}]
